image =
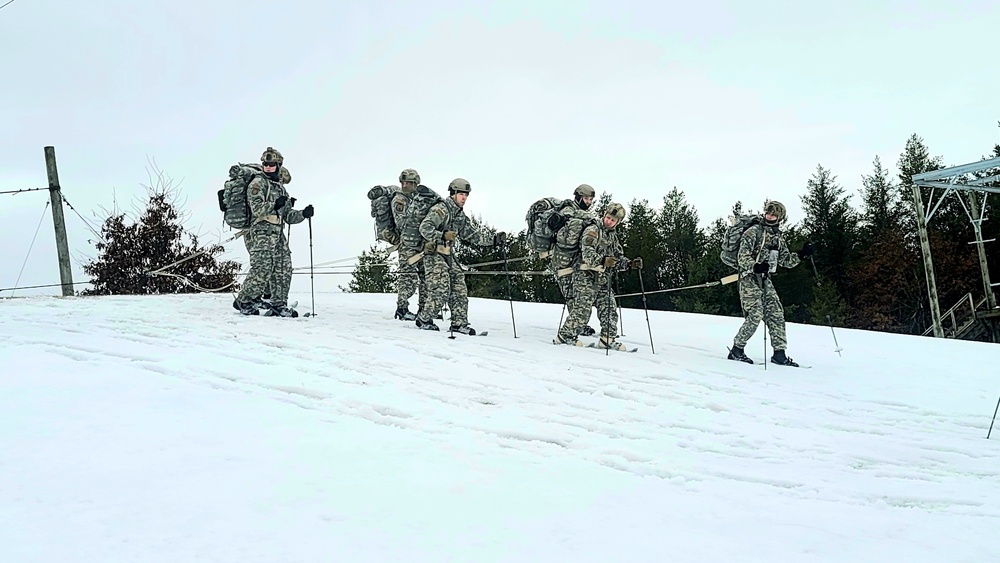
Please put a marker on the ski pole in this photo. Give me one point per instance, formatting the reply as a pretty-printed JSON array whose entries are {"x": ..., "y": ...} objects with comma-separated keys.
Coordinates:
[
  {"x": 815, "y": 271},
  {"x": 510, "y": 299},
  {"x": 565, "y": 300},
  {"x": 621, "y": 318},
  {"x": 642, "y": 287},
  {"x": 994, "y": 419},
  {"x": 312, "y": 284},
  {"x": 611, "y": 308},
  {"x": 837, "y": 348},
  {"x": 726, "y": 280},
  {"x": 451, "y": 290},
  {"x": 763, "y": 283},
  {"x": 765, "y": 345}
]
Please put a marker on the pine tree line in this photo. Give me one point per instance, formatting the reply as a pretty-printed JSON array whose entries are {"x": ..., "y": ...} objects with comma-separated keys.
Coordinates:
[{"x": 867, "y": 271}]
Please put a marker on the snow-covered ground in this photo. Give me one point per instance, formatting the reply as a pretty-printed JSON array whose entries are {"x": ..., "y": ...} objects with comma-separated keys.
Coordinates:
[{"x": 170, "y": 428}]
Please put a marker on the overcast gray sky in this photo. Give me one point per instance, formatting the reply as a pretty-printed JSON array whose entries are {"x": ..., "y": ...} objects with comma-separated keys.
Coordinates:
[{"x": 726, "y": 100}]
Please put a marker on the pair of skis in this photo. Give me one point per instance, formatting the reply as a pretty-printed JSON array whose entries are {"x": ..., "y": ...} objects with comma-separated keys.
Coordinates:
[{"x": 596, "y": 346}]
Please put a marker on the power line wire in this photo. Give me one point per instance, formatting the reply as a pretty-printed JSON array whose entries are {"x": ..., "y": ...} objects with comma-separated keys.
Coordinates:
[
  {"x": 7, "y": 4},
  {"x": 85, "y": 221},
  {"x": 3, "y": 289},
  {"x": 22, "y": 191},
  {"x": 30, "y": 246}
]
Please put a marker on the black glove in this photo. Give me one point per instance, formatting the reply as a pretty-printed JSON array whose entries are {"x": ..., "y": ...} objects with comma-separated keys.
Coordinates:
[
  {"x": 806, "y": 251},
  {"x": 308, "y": 211},
  {"x": 280, "y": 202},
  {"x": 556, "y": 221},
  {"x": 761, "y": 268},
  {"x": 499, "y": 238}
]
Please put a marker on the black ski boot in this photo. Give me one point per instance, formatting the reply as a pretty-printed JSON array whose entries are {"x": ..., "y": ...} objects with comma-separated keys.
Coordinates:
[
  {"x": 737, "y": 354},
  {"x": 781, "y": 359},
  {"x": 278, "y": 309},
  {"x": 588, "y": 331},
  {"x": 247, "y": 307},
  {"x": 463, "y": 329},
  {"x": 404, "y": 314},
  {"x": 429, "y": 325}
]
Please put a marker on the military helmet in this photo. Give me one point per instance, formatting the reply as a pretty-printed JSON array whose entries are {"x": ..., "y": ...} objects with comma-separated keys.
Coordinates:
[
  {"x": 459, "y": 185},
  {"x": 409, "y": 175},
  {"x": 272, "y": 155},
  {"x": 775, "y": 208},
  {"x": 615, "y": 211},
  {"x": 582, "y": 191}
]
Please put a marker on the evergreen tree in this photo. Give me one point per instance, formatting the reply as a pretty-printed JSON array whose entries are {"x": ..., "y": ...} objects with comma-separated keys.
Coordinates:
[
  {"x": 880, "y": 205},
  {"x": 482, "y": 285},
  {"x": 915, "y": 159},
  {"x": 682, "y": 243},
  {"x": 601, "y": 203},
  {"x": 949, "y": 232},
  {"x": 706, "y": 267},
  {"x": 737, "y": 209},
  {"x": 827, "y": 305},
  {"x": 373, "y": 273},
  {"x": 831, "y": 225},
  {"x": 639, "y": 236},
  {"x": 885, "y": 262},
  {"x": 996, "y": 148},
  {"x": 538, "y": 288},
  {"x": 130, "y": 248}
]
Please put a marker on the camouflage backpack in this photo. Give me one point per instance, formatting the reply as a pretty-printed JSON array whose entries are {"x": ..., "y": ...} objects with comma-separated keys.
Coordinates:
[
  {"x": 566, "y": 250},
  {"x": 233, "y": 196},
  {"x": 541, "y": 238},
  {"x": 731, "y": 241},
  {"x": 420, "y": 205},
  {"x": 385, "y": 224},
  {"x": 381, "y": 198}
]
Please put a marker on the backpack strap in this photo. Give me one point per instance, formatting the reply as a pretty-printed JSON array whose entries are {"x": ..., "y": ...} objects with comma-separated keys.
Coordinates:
[{"x": 759, "y": 240}]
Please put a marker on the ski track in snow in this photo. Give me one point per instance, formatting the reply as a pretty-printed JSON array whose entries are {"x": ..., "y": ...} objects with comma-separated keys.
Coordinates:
[{"x": 832, "y": 434}]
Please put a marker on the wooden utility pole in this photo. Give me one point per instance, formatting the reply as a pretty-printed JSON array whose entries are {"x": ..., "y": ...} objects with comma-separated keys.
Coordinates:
[
  {"x": 59, "y": 222},
  {"x": 925, "y": 249},
  {"x": 991, "y": 300}
]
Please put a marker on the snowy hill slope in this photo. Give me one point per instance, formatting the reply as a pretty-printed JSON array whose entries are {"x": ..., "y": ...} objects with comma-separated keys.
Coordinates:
[{"x": 170, "y": 428}]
